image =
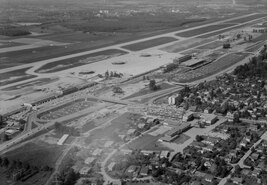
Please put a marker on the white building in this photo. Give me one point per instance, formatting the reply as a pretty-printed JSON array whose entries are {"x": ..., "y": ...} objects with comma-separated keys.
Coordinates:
[
  {"x": 111, "y": 166},
  {"x": 84, "y": 170},
  {"x": 172, "y": 100},
  {"x": 89, "y": 160}
]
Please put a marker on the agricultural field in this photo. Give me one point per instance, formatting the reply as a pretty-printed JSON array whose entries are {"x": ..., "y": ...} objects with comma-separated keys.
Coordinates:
[
  {"x": 66, "y": 109},
  {"x": 212, "y": 68},
  {"x": 199, "y": 31},
  {"x": 79, "y": 61},
  {"x": 39, "y": 82},
  {"x": 149, "y": 43},
  {"x": 14, "y": 76}
]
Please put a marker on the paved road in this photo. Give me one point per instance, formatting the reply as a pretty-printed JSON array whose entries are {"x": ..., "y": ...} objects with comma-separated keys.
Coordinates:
[{"x": 241, "y": 161}]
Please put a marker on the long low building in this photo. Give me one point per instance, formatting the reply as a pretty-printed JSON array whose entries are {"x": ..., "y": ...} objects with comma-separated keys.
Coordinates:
[
  {"x": 193, "y": 62},
  {"x": 175, "y": 132},
  {"x": 63, "y": 139}
]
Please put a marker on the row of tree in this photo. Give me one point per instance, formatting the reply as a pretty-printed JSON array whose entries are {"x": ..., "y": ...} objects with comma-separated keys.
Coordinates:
[{"x": 18, "y": 170}]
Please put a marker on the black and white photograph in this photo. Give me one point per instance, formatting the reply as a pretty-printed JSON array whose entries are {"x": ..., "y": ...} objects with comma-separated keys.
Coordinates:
[{"x": 133, "y": 92}]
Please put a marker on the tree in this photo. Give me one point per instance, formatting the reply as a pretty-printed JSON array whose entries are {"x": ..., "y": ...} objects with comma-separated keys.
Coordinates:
[
  {"x": 117, "y": 90},
  {"x": 71, "y": 177},
  {"x": 5, "y": 162},
  {"x": 199, "y": 138},
  {"x": 153, "y": 86}
]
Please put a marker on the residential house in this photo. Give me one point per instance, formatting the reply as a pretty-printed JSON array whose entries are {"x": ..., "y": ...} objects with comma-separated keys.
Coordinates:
[
  {"x": 256, "y": 172},
  {"x": 85, "y": 170},
  {"x": 144, "y": 171},
  {"x": 237, "y": 180},
  {"x": 209, "y": 178}
]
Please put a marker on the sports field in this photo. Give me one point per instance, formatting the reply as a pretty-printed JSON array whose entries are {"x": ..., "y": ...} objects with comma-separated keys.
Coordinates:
[
  {"x": 149, "y": 43},
  {"x": 79, "y": 61}
]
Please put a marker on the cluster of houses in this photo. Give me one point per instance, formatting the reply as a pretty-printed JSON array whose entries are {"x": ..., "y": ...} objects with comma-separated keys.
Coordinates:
[
  {"x": 226, "y": 96},
  {"x": 144, "y": 170},
  {"x": 255, "y": 165}
]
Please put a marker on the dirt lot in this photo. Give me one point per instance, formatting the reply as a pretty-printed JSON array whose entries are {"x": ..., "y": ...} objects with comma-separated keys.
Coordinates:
[{"x": 78, "y": 61}]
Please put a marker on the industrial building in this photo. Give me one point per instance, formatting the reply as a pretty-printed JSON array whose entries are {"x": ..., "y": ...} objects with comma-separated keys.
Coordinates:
[
  {"x": 182, "y": 59},
  {"x": 209, "y": 119}
]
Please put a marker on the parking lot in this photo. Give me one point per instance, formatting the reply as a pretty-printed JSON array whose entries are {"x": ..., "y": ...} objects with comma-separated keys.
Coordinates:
[{"x": 66, "y": 109}]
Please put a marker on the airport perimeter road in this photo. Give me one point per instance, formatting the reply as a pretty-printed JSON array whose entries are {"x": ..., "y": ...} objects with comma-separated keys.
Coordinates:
[{"x": 118, "y": 46}]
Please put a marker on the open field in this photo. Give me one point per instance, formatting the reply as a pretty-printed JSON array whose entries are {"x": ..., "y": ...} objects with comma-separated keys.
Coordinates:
[
  {"x": 145, "y": 91},
  {"x": 262, "y": 37},
  {"x": 255, "y": 47},
  {"x": 149, "y": 43},
  {"x": 212, "y": 68},
  {"x": 212, "y": 45},
  {"x": 79, "y": 61},
  {"x": 203, "y": 30},
  {"x": 14, "y": 76},
  {"x": 26, "y": 56},
  {"x": 246, "y": 19},
  {"x": 147, "y": 142},
  {"x": 8, "y": 44},
  {"x": 66, "y": 109},
  {"x": 36, "y": 153},
  {"x": 219, "y": 32},
  {"x": 186, "y": 44},
  {"x": 39, "y": 82},
  {"x": 118, "y": 126}
]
